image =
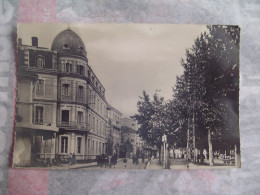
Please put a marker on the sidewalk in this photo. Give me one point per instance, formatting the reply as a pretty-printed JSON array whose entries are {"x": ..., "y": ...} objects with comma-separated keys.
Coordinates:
[
  {"x": 182, "y": 164},
  {"x": 80, "y": 165},
  {"x": 154, "y": 164}
]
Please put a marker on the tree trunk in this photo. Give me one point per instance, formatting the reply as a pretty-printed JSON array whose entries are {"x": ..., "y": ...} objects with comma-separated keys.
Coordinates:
[
  {"x": 201, "y": 156},
  {"x": 237, "y": 156},
  {"x": 160, "y": 154},
  {"x": 211, "y": 156}
]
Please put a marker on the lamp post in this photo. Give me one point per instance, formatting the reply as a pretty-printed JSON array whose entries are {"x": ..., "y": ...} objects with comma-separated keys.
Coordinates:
[{"x": 164, "y": 141}]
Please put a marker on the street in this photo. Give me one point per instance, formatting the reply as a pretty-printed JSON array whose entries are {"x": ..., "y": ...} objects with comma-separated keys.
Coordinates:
[{"x": 120, "y": 165}]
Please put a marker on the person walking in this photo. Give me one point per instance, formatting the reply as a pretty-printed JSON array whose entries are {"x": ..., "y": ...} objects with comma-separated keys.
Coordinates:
[
  {"x": 109, "y": 160},
  {"x": 73, "y": 159},
  {"x": 134, "y": 159},
  {"x": 70, "y": 159},
  {"x": 125, "y": 161}
]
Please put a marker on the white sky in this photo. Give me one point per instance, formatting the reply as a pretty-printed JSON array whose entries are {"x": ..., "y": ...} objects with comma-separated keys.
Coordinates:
[{"x": 127, "y": 58}]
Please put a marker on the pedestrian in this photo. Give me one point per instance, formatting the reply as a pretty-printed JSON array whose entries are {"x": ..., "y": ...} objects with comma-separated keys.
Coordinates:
[
  {"x": 109, "y": 160},
  {"x": 73, "y": 158},
  {"x": 125, "y": 161},
  {"x": 143, "y": 158},
  {"x": 70, "y": 159},
  {"x": 134, "y": 159},
  {"x": 114, "y": 160}
]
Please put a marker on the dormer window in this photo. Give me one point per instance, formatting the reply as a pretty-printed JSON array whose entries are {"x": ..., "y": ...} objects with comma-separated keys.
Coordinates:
[
  {"x": 80, "y": 50},
  {"x": 66, "y": 46},
  {"x": 40, "y": 62}
]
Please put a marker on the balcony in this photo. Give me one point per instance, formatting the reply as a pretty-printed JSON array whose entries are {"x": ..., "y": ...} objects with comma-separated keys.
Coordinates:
[{"x": 73, "y": 125}]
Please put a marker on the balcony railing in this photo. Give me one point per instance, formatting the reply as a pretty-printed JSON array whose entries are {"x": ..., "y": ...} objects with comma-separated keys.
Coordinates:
[
  {"x": 81, "y": 100},
  {"x": 74, "y": 125}
]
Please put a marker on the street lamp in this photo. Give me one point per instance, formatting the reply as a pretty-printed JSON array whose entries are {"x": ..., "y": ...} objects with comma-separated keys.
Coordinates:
[{"x": 164, "y": 141}]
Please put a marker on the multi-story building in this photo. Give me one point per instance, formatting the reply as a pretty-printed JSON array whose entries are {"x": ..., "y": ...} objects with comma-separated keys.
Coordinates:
[
  {"x": 129, "y": 136},
  {"x": 114, "y": 130},
  {"x": 81, "y": 100},
  {"x": 61, "y": 106},
  {"x": 36, "y": 104}
]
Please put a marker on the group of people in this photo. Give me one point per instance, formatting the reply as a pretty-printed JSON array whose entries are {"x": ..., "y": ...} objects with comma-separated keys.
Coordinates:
[
  {"x": 107, "y": 161},
  {"x": 135, "y": 159}
]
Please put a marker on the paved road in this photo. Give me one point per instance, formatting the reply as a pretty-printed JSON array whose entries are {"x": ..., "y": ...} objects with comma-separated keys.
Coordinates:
[
  {"x": 121, "y": 165},
  {"x": 178, "y": 162}
]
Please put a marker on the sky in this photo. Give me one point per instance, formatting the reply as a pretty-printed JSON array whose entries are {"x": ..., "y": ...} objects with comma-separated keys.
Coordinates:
[{"x": 127, "y": 58}]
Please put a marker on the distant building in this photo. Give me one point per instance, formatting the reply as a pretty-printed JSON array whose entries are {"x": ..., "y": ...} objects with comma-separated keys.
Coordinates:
[
  {"x": 129, "y": 136},
  {"x": 114, "y": 130}
]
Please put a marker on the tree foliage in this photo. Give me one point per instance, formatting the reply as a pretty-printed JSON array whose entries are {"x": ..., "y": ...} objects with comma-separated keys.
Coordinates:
[{"x": 207, "y": 91}]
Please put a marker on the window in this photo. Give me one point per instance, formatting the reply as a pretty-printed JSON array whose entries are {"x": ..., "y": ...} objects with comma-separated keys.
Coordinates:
[
  {"x": 80, "y": 117},
  {"x": 80, "y": 69},
  {"x": 79, "y": 141},
  {"x": 96, "y": 147},
  {"x": 64, "y": 144},
  {"x": 89, "y": 121},
  {"x": 94, "y": 124},
  {"x": 97, "y": 126},
  {"x": 80, "y": 92},
  {"x": 65, "y": 116},
  {"x": 39, "y": 114},
  {"x": 66, "y": 46},
  {"x": 40, "y": 62},
  {"x": 66, "y": 89},
  {"x": 68, "y": 67},
  {"x": 100, "y": 126},
  {"x": 80, "y": 50},
  {"x": 40, "y": 87},
  {"x": 88, "y": 146}
]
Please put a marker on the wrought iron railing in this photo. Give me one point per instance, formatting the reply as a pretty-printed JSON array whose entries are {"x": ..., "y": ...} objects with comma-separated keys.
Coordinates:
[{"x": 73, "y": 125}]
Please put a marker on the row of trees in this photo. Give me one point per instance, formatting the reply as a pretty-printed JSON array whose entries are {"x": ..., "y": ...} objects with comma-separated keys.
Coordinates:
[{"x": 205, "y": 98}]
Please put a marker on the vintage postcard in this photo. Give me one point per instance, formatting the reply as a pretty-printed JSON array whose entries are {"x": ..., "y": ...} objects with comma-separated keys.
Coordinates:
[{"x": 127, "y": 96}]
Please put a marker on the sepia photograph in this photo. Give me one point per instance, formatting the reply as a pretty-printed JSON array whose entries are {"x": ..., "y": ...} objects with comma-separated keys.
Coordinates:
[{"x": 127, "y": 96}]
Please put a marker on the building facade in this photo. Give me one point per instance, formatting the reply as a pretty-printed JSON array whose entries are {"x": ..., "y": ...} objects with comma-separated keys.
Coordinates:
[
  {"x": 36, "y": 104},
  {"x": 114, "y": 131},
  {"x": 82, "y": 115},
  {"x": 61, "y": 108},
  {"x": 130, "y": 141}
]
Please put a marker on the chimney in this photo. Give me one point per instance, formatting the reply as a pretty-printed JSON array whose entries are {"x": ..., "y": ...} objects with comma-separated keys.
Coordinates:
[
  {"x": 35, "y": 41},
  {"x": 20, "y": 42}
]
